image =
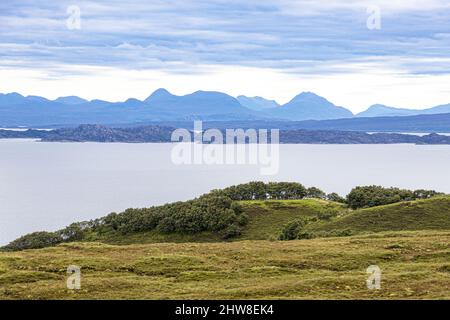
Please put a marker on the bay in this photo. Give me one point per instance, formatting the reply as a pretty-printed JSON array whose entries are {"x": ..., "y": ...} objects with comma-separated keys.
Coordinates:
[{"x": 46, "y": 186}]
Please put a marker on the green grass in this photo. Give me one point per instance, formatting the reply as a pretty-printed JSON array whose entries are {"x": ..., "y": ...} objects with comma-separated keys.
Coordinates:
[
  {"x": 430, "y": 214},
  {"x": 153, "y": 236},
  {"x": 415, "y": 265},
  {"x": 267, "y": 218},
  {"x": 409, "y": 241}
]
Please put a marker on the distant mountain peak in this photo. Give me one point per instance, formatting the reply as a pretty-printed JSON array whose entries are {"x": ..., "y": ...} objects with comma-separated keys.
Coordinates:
[
  {"x": 381, "y": 110},
  {"x": 160, "y": 93},
  {"x": 310, "y": 96},
  {"x": 37, "y": 99},
  {"x": 133, "y": 100},
  {"x": 379, "y": 106},
  {"x": 70, "y": 100},
  {"x": 257, "y": 103},
  {"x": 12, "y": 98},
  {"x": 14, "y": 95},
  {"x": 310, "y": 106},
  {"x": 208, "y": 93}
]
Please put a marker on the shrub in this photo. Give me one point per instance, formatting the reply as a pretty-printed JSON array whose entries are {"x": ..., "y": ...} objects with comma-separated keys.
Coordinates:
[
  {"x": 426, "y": 194},
  {"x": 74, "y": 232},
  {"x": 305, "y": 235},
  {"x": 326, "y": 215},
  {"x": 111, "y": 219},
  {"x": 166, "y": 225},
  {"x": 232, "y": 231},
  {"x": 316, "y": 193},
  {"x": 336, "y": 198},
  {"x": 370, "y": 196},
  {"x": 236, "y": 207},
  {"x": 34, "y": 240},
  {"x": 343, "y": 233},
  {"x": 242, "y": 219},
  {"x": 292, "y": 230}
]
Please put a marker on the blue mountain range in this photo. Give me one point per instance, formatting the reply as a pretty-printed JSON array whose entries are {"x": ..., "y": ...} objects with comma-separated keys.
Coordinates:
[
  {"x": 379, "y": 110},
  {"x": 18, "y": 110}
]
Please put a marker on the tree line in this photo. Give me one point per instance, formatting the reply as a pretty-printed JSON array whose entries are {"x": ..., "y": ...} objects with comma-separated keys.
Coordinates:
[{"x": 371, "y": 196}]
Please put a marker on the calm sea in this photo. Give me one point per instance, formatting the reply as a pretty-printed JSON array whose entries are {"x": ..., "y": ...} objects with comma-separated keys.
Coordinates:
[{"x": 45, "y": 186}]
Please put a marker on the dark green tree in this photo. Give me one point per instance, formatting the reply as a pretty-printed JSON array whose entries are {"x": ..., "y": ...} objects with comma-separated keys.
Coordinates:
[{"x": 316, "y": 193}]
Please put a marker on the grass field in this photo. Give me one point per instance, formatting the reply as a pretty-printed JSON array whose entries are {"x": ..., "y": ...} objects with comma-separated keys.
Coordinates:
[
  {"x": 415, "y": 265},
  {"x": 409, "y": 241}
]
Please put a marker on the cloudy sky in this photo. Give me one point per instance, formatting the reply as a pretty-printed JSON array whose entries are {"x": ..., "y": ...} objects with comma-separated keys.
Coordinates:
[{"x": 274, "y": 49}]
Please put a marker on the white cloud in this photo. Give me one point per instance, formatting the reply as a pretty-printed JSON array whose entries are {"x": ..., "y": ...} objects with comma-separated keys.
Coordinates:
[
  {"x": 355, "y": 90},
  {"x": 272, "y": 48},
  {"x": 311, "y": 7}
]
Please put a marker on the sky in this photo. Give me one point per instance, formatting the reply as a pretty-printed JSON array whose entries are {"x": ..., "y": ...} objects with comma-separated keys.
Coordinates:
[{"x": 354, "y": 53}]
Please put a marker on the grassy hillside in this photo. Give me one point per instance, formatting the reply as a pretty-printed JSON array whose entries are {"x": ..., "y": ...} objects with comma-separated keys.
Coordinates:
[
  {"x": 415, "y": 265},
  {"x": 430, "y": 214},
  {"x": 409, "y": 241},
  {"x": 267, "y": 218},
  {"x": 243, "y": 212}
]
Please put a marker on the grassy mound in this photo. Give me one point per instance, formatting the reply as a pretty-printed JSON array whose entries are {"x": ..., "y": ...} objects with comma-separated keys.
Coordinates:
[
  {"x": 267, "y": 218},
  {"x": 429, "y": 214}
]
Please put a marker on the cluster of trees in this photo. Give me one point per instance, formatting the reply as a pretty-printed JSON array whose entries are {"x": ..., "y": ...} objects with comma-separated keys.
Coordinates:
[
  {"x": 43, "y": 239},
  {"x": 35, "y": 240},
  {"x": 258, "y": 190},
  {"x": 208, "y": 213},
  {"x": 211, "y": 212},
  {"x": 371, "y": 196}
]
